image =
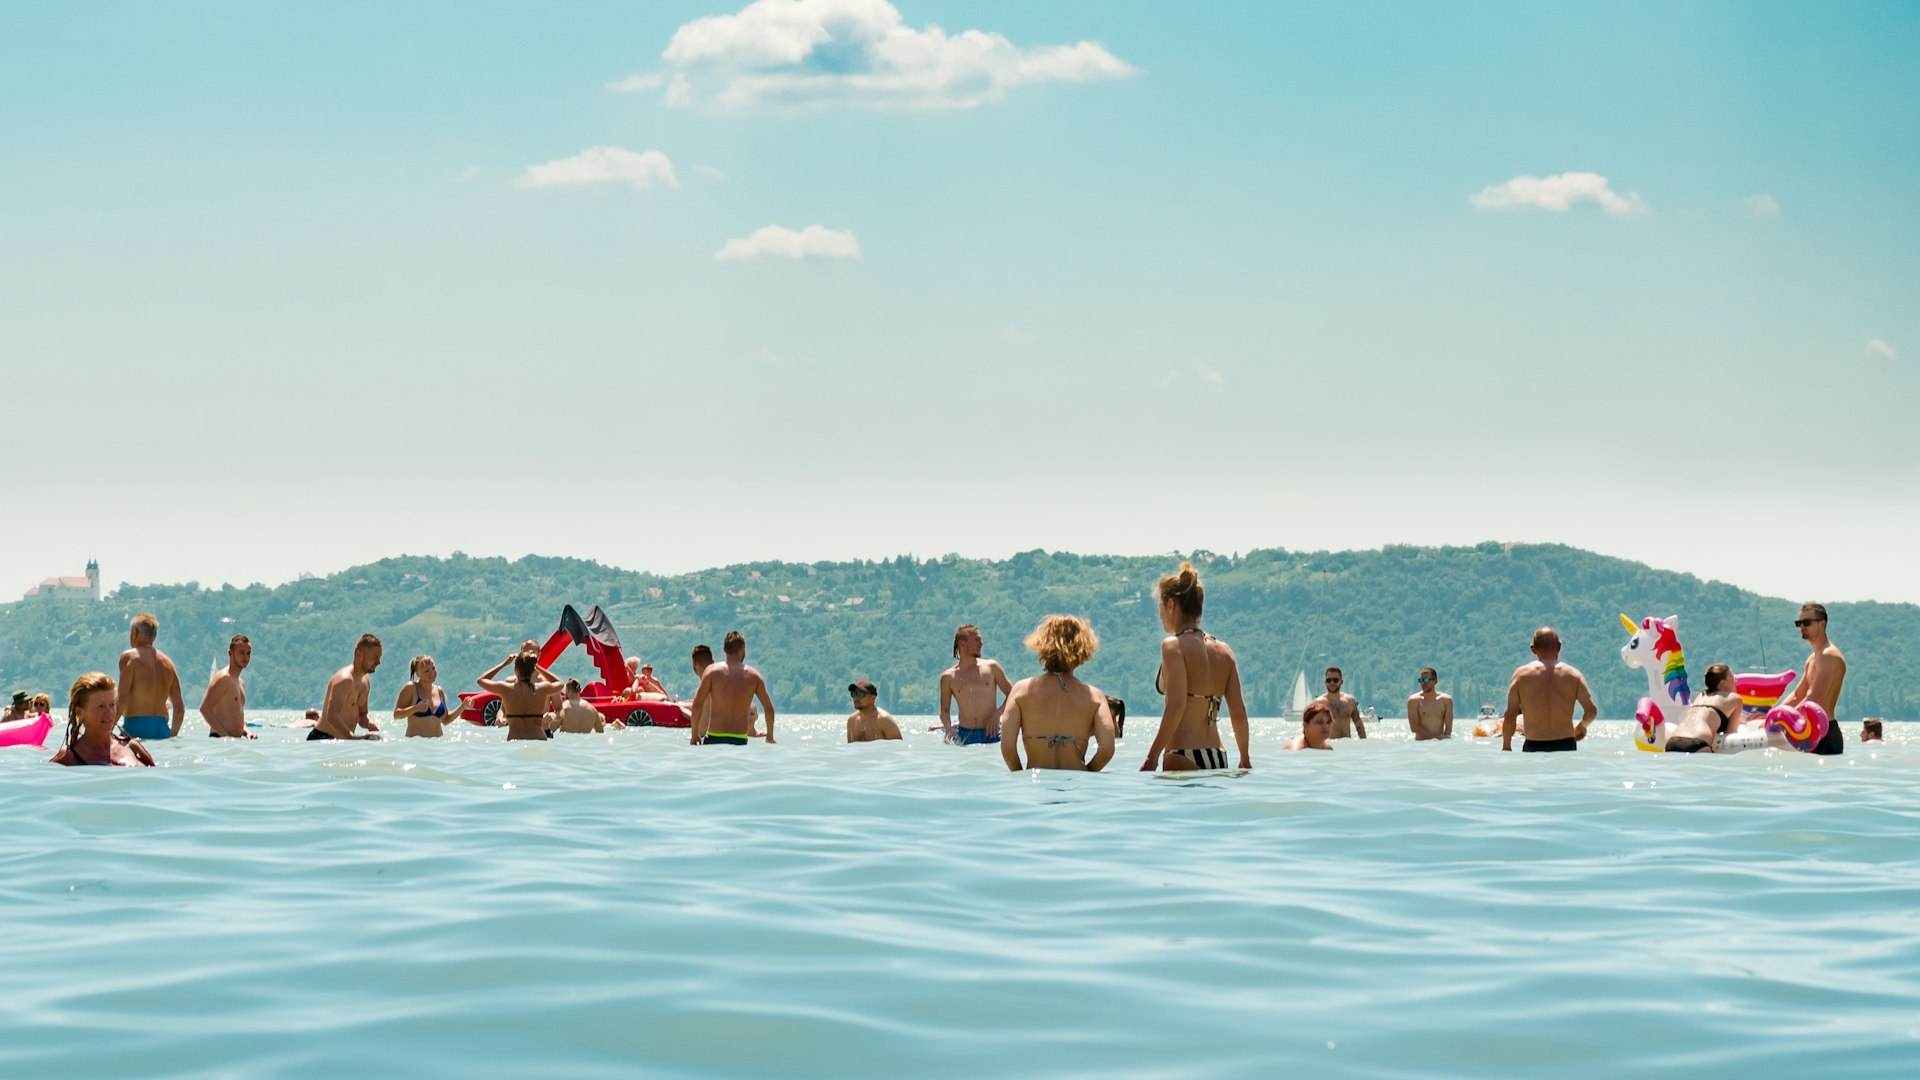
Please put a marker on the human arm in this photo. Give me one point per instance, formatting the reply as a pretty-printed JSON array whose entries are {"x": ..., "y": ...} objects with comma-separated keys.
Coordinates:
[
  {"x": 487, "y": 682},
  {"x": 1005, "y": 690},
  {"x": 1359, "y": 725},
  {"x": 946, "y": 704},
  {"x": 1236, "y": 713},
  {"x": 1173, "y": 672},
  {"x": 365, "y": 719},
  {"x": 850, "y": 717},
  {"x": 175, "y": 699},
  {"x": 1587, "y": 708},
  {"x": 1103, "y": 744},
  {"x": 1413, "y": 726},
  {"x": 889, "y": 728},
  {"x": 698, "y": 708},
  {"x": 1010, "y": 734},
  {"x": 766, "y": 702},
  {"x": 1511, "y": 715},
  {"x": 140, "y": 752},
  {"x": 407, "y": 702},
  {"x": 125, "y": 683},
  {"x": 1446, "y": 716}
]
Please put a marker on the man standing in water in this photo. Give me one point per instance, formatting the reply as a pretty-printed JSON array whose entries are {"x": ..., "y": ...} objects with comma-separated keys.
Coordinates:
[
  {"x": 149, "y": 685},
  {"x": 1346, "y": 709},
  {"x": 1546, "y": 691},
  {"x": 344, "y": 710},
  {"x": 1430, "y": 712},
  {"x": 976, "y": 686},
  {"x": 1826, "y": 671},
  {"x": 224, "y": 707},
  {"x": 721, "y": 707},
  {"x": 869, "y": 722}
]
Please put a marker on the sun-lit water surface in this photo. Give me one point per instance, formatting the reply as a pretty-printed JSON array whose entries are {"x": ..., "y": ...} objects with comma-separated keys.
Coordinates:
[{"x": 606, "y": 906}]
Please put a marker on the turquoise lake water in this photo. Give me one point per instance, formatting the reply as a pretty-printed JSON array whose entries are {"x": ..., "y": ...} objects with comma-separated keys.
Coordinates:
[{"x": 624, "y": 904}]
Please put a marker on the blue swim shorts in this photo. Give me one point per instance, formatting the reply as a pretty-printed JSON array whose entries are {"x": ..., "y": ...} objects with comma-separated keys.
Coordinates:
[
  {"x": 147, "y": 727},
  {"x": 973, "y": 736}
]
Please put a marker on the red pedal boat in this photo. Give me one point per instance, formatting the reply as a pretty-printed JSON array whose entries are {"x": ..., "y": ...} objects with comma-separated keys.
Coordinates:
[{"x": 595, "y": 631}]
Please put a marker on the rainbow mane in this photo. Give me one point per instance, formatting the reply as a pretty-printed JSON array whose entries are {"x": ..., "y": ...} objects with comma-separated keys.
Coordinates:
[
  {"x": 1760, "y": 693},
  {"x": 1667, "y": 646}
]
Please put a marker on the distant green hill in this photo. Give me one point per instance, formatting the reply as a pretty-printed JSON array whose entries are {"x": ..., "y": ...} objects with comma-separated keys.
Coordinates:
[{"x": 1380, "y": 615}]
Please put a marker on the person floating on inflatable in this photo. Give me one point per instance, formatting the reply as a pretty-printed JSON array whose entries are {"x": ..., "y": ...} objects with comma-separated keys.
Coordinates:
[{"x": 1655, "y": 648}]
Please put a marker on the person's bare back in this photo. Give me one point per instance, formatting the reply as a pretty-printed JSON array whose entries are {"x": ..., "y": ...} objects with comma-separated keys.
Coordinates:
[
  {"x": 1546, "y": 691},
  {"x": 149, "y": 685},
  {"x": 722, "y": 708}
]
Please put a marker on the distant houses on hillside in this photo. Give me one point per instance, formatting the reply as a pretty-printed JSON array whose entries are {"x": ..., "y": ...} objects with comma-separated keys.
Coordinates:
[{"x": 69, "y": 590}]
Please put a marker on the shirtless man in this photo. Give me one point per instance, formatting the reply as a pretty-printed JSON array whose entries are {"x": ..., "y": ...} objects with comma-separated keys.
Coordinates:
[
  {"x": 224, "y": 707},
  {"x": 1826, "y": 672},
  {"x": 1430, "y": 712},
  {"x": 1546, "y": 691},
  {"x": 575, "y": 716},
  {"x": 21, "y": 709},
  {"x": 1346, "y": 710},
  {"x": 976, "y": 686},
  {"x": 149, "y": 685},
  {"x": 344, "y": 710},
  {"x": 1710, "y": 715},
  {"x": 727, "y": 691},
  {"x": 869, "y": 722},
  {"x": 702, "y": 660}
]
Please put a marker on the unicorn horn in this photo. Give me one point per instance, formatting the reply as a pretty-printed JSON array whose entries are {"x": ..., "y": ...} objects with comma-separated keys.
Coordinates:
[{"x": 1628, "y": 623}]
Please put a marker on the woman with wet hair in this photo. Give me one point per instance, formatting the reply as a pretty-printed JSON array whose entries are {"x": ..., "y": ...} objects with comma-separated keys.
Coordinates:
[
  {"x": 1198, "y": 674},
  {"x": 92, "y": 716},
  {"x": 523, "y": 702},
  {"x": 1054, "y": 716}
]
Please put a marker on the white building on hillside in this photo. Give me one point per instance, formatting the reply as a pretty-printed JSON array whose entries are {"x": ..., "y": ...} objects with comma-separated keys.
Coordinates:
[{"x": 69, "y": 590}]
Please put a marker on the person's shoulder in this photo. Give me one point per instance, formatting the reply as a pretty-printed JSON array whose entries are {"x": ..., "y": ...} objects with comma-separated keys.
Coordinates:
[
  {"x": 1444, "y": 696},
  {"x": 64, "y": 757},
  {"x": 1411, "y": 698}
]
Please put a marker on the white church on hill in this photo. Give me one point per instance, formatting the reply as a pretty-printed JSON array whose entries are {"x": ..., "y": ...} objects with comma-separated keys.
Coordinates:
[{"x": 69, "y": 590}]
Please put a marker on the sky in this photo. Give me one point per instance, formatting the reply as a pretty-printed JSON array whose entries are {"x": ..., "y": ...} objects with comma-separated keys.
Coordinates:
[{"x": 287, "y": 288}]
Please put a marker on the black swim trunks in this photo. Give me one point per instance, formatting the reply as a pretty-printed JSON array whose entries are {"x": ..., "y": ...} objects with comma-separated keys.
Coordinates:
[
  {"x": 1833, "y": 742},
  {"x": 1678, "y": 745},
  {"x": 1548, "y": 746},
  {"x": 722, "y": 739},
  {"x": 316, "y": 735}
]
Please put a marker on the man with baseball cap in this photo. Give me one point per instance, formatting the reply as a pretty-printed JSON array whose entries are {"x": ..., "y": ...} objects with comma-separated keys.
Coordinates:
[
  {"x": 18, "y": 710},
  {"x": 869, "y": 722}
]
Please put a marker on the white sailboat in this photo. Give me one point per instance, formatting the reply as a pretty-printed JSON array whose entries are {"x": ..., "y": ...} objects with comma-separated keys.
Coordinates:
[{"x": 1300, "y": 698}]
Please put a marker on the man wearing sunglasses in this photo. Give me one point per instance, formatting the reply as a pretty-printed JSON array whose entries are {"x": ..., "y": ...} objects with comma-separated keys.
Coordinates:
[
  {"x": 1826, "y": 671},
  {"x": 869, "y": 722},
  {"x": 1430, "y": 712},
  {"x": 1346, "y": 710}
]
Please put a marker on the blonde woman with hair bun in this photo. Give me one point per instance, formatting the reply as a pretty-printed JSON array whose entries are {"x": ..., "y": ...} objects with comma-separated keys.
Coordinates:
[
  {"x": 1198, "y": 674},
  {"x": 1054, "y": 715}
]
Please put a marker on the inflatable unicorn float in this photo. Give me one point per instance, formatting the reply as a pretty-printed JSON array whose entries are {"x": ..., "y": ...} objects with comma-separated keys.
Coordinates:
[{"x": 1655, "y": 649}]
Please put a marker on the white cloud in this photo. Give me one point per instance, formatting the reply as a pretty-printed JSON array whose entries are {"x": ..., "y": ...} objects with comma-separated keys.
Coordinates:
[
  {"x": 1763, "y": 205},
  {"x": 603, "y": 165},
  {"x": 1558, "y": 193},
  {"x": 768, "y": 356},
  {"x": 633, "y": 84},
  {"x": 798, "y": 53},
  {"x": 711, "y": 173},
  {"x": 1207, "y": 376},
  {"x": 780, "y": 242},
  {"x": 1881, "y": 349},
  {"x": 468, "y": 174}
]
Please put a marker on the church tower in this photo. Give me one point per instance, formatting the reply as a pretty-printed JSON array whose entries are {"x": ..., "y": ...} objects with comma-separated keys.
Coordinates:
[{"x": 93, "y": 578}]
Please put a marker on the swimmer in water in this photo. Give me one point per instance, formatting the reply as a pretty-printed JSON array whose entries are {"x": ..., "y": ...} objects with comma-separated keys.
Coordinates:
[
  {"x": 1826, "y": 673},
  {"x": 1712, "y": 714},
  {"x": 702, "y": 660},
  {"x": 720, "y": 706},
  {"x": 423, "y": 703},
  {"x": 1346, "y": 707},
  {"x": 343, "y": 710},
  {"x": 1430, "y": 712},
  {"x": 149, "y": 685},
  {"x": 92, "y": 714},
  {"x": 1870, "y": 732},
  {"x": 523, "y": 702},
  {"x": 224, "y": 707},
  {"x": 869, "y": 722},
  {"x": 576, "y": 717},
  {"x": 972, "y": 687},
  {"x": 1054, "y": 716},
  {"x": 1198, "y": 674},
  {"x": 1546, "y": 691},
  {"x": 1316, "y": 728}
]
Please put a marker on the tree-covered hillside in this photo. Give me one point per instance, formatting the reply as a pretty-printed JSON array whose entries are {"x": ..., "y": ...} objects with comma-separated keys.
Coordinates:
[{"x": 1380, "y": 615}]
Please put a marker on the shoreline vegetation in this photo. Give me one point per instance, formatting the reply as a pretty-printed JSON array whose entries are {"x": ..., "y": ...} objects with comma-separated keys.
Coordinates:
[{"x": 1379, "y": 615}]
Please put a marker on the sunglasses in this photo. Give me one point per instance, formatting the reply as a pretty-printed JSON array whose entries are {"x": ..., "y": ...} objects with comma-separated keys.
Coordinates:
[
  {"x": 1804, "y": 623},
  {"x": 1426, "y": 678}
]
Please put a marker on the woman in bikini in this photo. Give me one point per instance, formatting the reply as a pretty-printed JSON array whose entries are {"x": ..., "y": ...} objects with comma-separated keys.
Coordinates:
[
  {"x": 523, "y": 702},
  {"x": 423, "y": 704},
  {"x": 91, "y": 718},
  {"x": 1198, "y": 674},
  {"x": 1054, "y": 715},
  {"x": 1715, "y": 713}
]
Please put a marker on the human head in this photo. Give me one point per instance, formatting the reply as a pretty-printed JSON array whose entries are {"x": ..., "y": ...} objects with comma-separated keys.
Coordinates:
[
  {"x": 734, "y": 645},
  {"x": 1063, "y": 642},
  {"x": 1814, "y": 618},
  {"x": 143, "y": 629},
  {"x": 702, "y": 658},
  {"x": 525, "y": 661},
  {"x": 422, "y": 667},
  {"x": 863, "y": 691},
  {"x": 239, "y": 652},
  {"x": 313, "y": 714},
  {"x": 1717, "y": 676},
  {"x": 19, "y": 702},
  {"x": 1870, "y": 729},
  {"x": 1181, "y": 596},
  {"x": 90, "y": 705},
  {"x": 646, "y": 669},
  {"x": 1546, "y": 643},
  {"x": 573, "y": 689},
  {"x": 1428, "y": 677},
  {"x": 967, "y": 637},
  {"x": 1335, "y": 678},
  {"x": 1316, "y": 722},
  {"x": 42, "y": 705},
  {"x": 366, "y": 653}
]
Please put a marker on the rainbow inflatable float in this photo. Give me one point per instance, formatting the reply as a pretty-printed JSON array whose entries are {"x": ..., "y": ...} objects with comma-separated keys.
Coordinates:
[{"x": 1654, "y": 647}]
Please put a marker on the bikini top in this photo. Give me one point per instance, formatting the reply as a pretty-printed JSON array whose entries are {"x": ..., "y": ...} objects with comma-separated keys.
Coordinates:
[
  {"x": 1717, "y": 711},
  {"x": 439, "y": 709},
  {"x": 1213, "y": 700},
  {"x": 139, "y": 754}
]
